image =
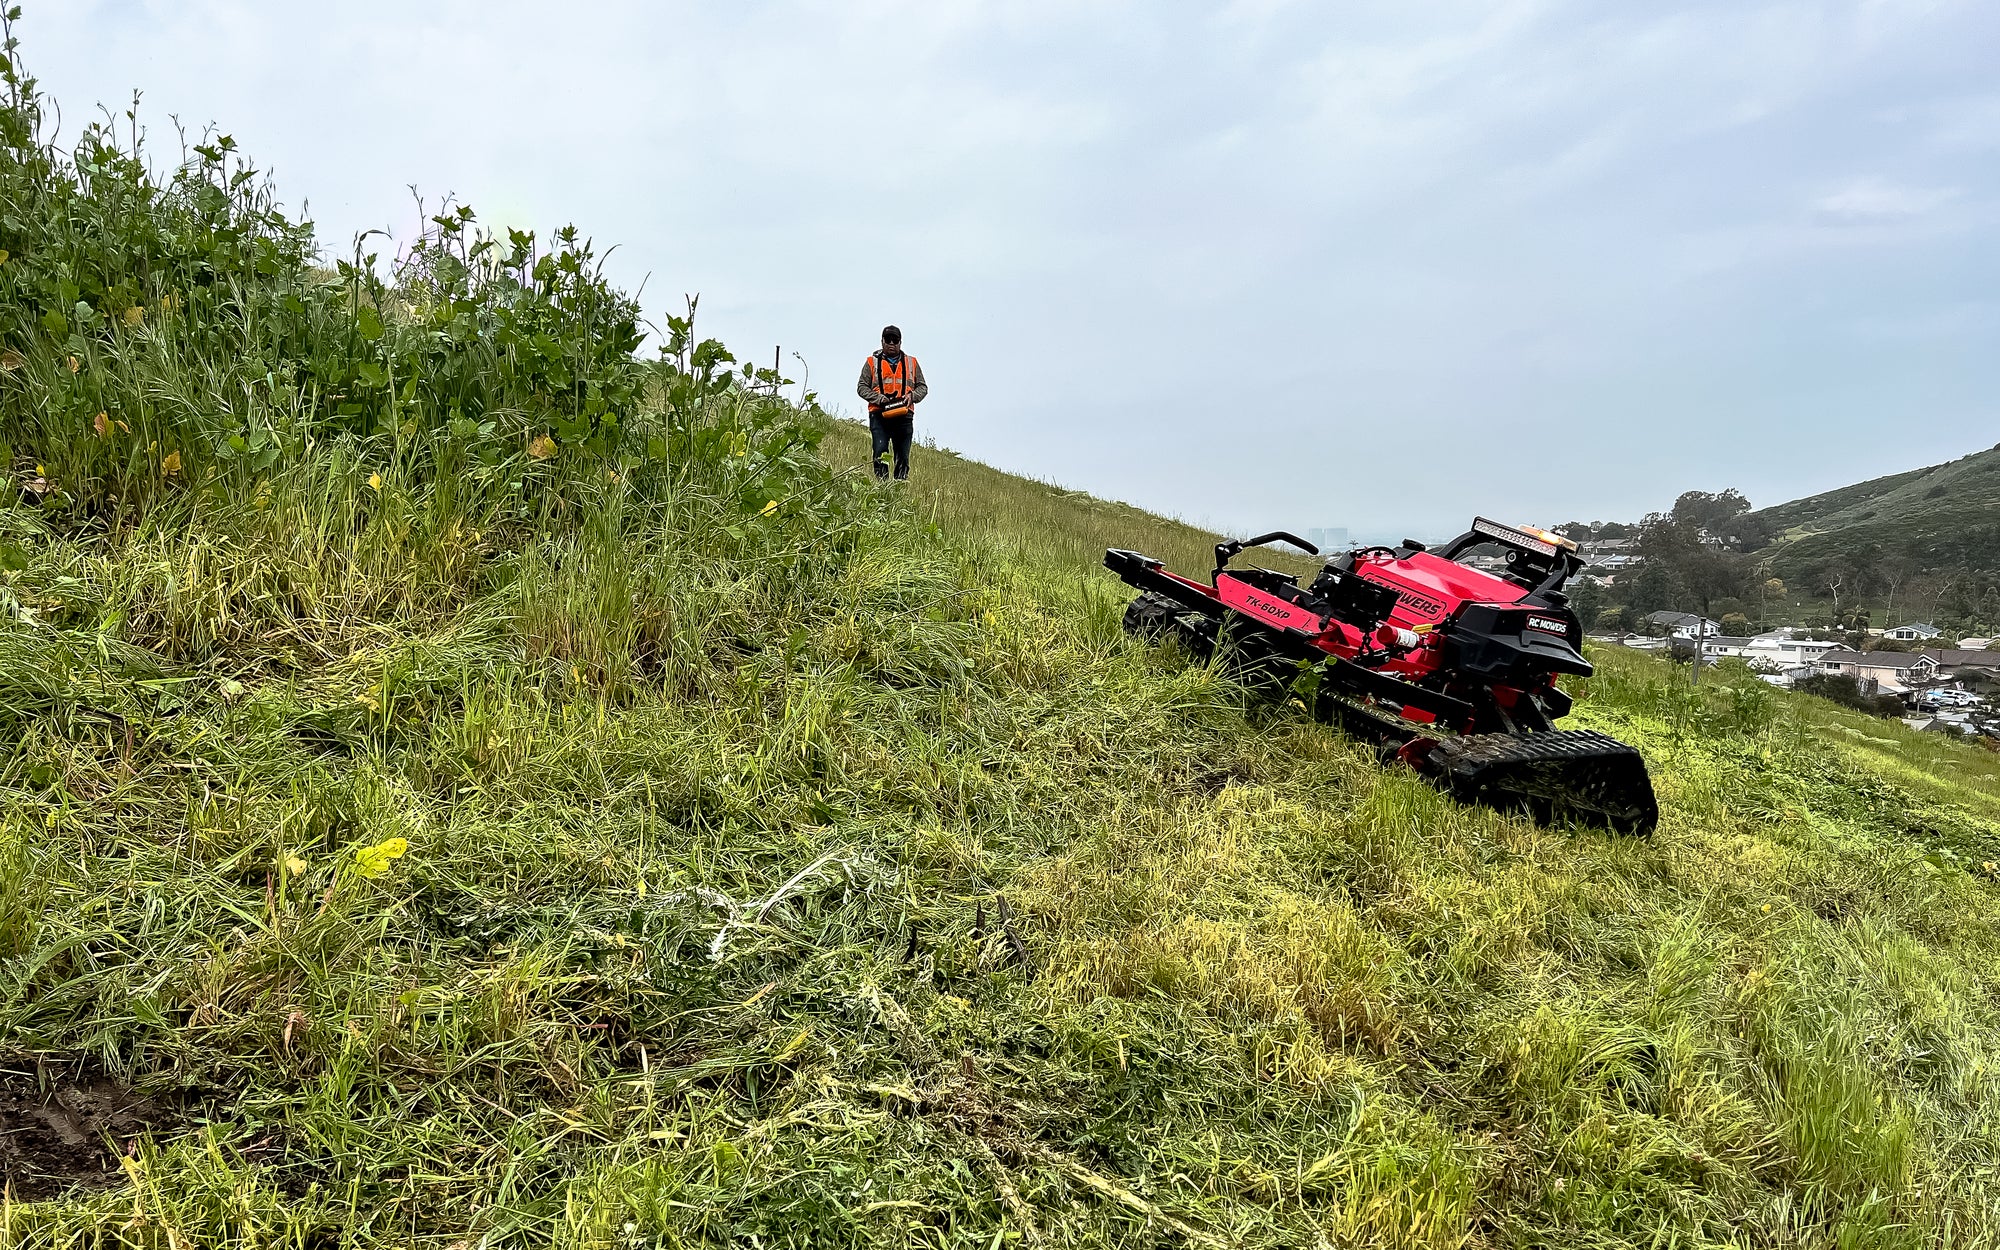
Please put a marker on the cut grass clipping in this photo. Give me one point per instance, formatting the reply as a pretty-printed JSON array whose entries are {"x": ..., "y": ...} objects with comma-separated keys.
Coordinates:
[{"x": 546, "y": 801}]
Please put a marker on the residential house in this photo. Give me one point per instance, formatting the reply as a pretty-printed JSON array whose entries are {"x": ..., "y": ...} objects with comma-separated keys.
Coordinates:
[
  {"x": 1785, "y": 647},
  {"x": 1886, "y": 672},
  {"x": 1918, "y": 631},
  {"x": 1682, "y": 624},
  {"x": 1954, "y": 663},
  {"x": 1609, "y": 553},
  {"x": 1720, "y": 646},
  {"x": 1782, "y": 653},
  {"x": 1974, "y": 644}
]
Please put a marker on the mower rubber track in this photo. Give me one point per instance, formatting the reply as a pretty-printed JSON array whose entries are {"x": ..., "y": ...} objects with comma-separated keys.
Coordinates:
[
  {"x": 1556, "y": 773},
  {"x": 1152, "y": 615}
]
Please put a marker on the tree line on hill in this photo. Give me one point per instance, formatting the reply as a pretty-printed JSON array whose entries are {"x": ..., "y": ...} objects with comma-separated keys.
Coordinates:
[{"x": 1710, "y": 554}]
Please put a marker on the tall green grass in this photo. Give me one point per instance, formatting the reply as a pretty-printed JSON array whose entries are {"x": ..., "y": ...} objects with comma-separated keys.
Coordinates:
[{"x": 674, "y": 840}]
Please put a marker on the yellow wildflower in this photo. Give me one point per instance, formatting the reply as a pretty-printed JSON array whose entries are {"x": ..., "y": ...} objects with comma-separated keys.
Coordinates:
[{"x": 373, "y": 861}]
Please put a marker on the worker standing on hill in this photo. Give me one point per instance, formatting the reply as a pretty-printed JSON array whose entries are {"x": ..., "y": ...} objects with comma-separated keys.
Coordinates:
[{"x": 893, "y": 384}]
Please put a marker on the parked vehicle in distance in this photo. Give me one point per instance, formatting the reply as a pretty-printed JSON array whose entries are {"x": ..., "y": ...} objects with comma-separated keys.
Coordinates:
[{"x": 1949, "y": 698}]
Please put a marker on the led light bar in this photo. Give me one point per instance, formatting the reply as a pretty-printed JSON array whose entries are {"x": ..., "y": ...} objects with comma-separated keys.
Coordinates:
[{"x": 1531, "y": 540}]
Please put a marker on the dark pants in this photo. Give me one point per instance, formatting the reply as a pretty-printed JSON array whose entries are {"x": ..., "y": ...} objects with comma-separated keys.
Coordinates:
[{"x": 886, "y": 432}]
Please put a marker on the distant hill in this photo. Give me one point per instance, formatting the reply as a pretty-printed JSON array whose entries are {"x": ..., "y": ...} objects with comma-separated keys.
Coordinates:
[{"x": 1946, "y": 516}]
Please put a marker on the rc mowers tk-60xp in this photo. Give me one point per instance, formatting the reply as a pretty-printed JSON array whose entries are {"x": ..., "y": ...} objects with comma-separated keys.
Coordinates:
[{"x": 1446, "y": 659}]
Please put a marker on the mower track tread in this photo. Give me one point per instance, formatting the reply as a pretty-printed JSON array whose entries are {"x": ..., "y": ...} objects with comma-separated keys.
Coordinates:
[
  {"x": 1578, "y": 772},
  {"x": 1151, "y": 615}
]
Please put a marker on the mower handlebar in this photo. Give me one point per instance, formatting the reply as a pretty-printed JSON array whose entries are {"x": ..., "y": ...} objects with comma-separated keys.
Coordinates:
[
  {"x": 1279, "y": 536},
  {"x": 1225, "y": 552}
]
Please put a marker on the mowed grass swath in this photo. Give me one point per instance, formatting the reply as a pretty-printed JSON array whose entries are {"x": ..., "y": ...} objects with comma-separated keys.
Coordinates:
[{"x": 523, "y": 795}]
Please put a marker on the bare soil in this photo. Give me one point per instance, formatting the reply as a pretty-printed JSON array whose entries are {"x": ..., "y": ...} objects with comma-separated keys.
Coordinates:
[{"x": 60, "y": 1127}]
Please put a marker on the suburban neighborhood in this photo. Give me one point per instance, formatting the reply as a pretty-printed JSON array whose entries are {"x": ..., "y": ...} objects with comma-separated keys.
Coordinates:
[{"x": 1948, "y": 689}]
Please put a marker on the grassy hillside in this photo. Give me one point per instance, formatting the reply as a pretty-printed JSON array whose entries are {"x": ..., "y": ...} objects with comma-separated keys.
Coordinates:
[
  {"x": 1039, "y": 521},
  {"x": 1945, "y": 517},
  {"x": 674, "y": 959},
  {"x": 462, "y": 786},
  {"x": 1813, "y": 510}
]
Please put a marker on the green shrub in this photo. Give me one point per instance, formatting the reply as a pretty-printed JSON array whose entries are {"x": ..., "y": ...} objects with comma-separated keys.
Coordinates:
[
  {"x": 1844, "y": 689},
  {"x": 176, "y": 333}
]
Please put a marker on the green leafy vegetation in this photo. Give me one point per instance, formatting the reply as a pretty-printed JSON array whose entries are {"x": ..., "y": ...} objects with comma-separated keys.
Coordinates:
[
  {"x": 624, "y": 826},
  {"x": 1846, "y": 690}
]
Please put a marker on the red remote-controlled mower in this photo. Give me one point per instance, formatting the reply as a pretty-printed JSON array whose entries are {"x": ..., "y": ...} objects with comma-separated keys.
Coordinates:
[{"x": 1446, "y": 659}]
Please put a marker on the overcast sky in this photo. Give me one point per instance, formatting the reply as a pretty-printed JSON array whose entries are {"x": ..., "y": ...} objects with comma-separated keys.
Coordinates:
[{"x": 1266, "y": 263}]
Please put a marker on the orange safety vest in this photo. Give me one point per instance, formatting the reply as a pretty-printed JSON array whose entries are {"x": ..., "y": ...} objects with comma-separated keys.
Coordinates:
[{"x": 894, "y": 379}]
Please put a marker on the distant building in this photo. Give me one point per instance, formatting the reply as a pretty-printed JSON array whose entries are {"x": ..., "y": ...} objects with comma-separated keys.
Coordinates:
[
  {"x": 1781, "y": 652},
  {"x": 1609, "y": 553},
  {"x": 1885, "y": 672},
  {"x": 1720, "y": 646},
  {"x": 1955, "y": 662},
  {"x": 1682, "y": 624},
  {"x": 1974, "y": 644},
  {"x": 1919, "y": 631}
]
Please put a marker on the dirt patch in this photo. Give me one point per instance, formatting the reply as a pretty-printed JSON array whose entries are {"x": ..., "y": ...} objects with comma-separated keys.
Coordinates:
[{"x": 60, "y": 1127}]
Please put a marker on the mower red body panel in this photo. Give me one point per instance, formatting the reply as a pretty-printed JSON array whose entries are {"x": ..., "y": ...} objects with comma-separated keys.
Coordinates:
[
  {"x": 1429, "y": 591},
  {"x": 1429, "y": 588}
]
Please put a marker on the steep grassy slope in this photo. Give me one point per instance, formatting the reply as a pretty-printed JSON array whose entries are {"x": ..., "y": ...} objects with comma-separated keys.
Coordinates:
[
  {"x": 913, "y": 904},
  {"x": 1945, "y": 517},
  {"x": 1814, "y": 510},
  {"x": 1050, "y": 526}
]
